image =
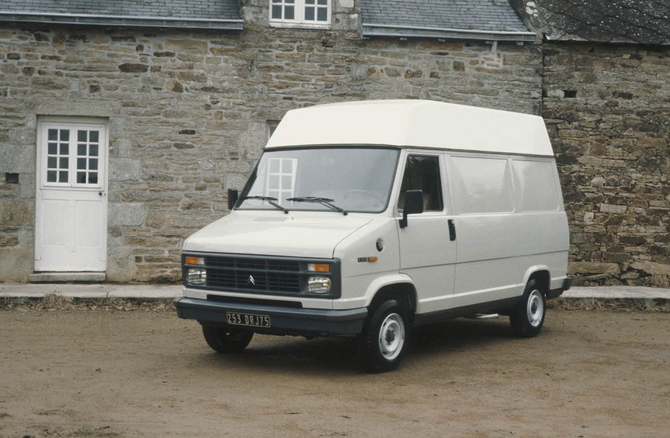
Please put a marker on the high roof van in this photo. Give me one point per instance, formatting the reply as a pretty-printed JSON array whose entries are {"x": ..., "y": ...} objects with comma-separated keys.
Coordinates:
[{"x": 368, "y": 219}]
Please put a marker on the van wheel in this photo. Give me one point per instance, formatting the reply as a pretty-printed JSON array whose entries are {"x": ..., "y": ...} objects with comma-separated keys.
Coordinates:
[
  {"x": 528, "y": 316},
  {"x": 385, "y": 337},
  {"x": 225, "y": 340}
]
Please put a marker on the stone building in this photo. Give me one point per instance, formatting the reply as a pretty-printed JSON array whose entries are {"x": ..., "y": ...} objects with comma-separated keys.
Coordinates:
[
  {"x": 123, "y": 123},
  {"x": 133, "y": 118},
  {"x": 606, "y": 100}
]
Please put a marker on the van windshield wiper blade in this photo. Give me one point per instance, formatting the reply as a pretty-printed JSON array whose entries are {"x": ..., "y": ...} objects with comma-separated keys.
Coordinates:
[
  {"x": 270, "y": 200},
  {"x": 323, "y": 201}
]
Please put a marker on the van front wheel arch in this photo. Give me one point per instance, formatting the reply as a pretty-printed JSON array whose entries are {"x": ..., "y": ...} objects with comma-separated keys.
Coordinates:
[
  {"x": 527, "y": 317},
  {"x": 385, "y": 336}
]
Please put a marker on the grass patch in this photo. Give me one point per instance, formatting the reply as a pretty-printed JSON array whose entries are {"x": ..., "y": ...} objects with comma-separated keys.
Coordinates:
[
  {"x": 100, "y": 432},
  {"x": 608, "y": 305},
  {"x": 53, "y": 302}
]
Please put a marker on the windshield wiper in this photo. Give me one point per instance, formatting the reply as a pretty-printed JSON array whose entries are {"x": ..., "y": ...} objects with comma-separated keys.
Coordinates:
[
  {"x": 323, "y": 201},
  {"x": 270, "y": 200}
]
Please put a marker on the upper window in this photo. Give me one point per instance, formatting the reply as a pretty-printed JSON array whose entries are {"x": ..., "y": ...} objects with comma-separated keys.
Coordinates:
[
  {"x": 305, "y": 13},
  {"x": 422, "y": 173},
  {"x": 482, "y": 185},
  {"x": 71, "y": 155},
  {"x": 535, "y": 183},
  {"x": 272, "y": 127}
]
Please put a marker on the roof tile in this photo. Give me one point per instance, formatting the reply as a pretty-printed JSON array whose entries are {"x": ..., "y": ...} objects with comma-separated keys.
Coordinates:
[
  {"x": 617, "y": 21},
  {"x": 485, "y": 15},
  {"x": 187, "y": 9}
]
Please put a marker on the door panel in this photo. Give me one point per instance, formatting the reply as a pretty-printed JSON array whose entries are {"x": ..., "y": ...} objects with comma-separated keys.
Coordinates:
[
  {"x": 71, "y": 220},
  {"x": 54, "y": 220},
  {"x": 428, "y": 257},
  {"x": 426, "y": 253},
  {"x": 87, "y": 211}
]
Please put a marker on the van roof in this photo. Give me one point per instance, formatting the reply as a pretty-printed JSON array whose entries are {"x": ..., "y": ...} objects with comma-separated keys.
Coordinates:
[{"x": 413, "y": 123}]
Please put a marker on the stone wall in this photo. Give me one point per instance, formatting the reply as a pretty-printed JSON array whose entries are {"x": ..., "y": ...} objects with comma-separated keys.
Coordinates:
[
  {"x": 608, "y": 110},
  {"x": 189, "y": 111}
]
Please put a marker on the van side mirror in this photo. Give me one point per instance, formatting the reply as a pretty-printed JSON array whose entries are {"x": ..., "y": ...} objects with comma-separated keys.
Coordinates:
[
  {"x": 413, "y": 205},
  {"x": 232, "y": 198}
]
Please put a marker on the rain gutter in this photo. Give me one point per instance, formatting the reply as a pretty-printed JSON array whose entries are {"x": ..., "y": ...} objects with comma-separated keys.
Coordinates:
[{"x": 390, "y": 30}]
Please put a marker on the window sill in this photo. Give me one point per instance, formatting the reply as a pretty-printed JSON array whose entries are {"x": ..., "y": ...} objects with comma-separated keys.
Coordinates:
[{"x": 287, "y": 25}]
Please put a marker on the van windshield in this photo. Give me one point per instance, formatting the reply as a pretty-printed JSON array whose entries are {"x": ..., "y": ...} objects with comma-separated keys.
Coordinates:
[{"x": 356, "y": 179}]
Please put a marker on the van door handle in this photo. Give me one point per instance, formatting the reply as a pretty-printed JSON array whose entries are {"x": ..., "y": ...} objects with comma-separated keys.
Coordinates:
[{"x": 452, "y": 230}]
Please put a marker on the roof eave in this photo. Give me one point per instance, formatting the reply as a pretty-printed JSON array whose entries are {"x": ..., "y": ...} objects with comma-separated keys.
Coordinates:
[
  {"x": 387, "y": 30},
  {"x": 568, "y": 38},
  {"x": 121, "y": 21}
]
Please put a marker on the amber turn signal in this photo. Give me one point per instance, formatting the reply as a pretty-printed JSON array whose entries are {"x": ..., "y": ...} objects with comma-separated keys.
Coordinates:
[
  {"x": 318, "y": 267},
  {"x": 190, "y": 260}
]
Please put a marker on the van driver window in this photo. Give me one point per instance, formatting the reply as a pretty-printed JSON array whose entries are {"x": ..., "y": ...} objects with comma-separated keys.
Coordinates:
[{"x": 422, "y": 173}]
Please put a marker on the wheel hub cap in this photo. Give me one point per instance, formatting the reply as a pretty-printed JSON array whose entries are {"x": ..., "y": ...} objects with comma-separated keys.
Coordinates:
[
  {"x": 535, "y": 309},
  {"x": 392, "y": 336}
]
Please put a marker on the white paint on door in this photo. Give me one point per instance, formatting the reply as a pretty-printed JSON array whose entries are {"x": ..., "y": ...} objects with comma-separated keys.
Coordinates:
[
  {"x": 427, "y": 254},
  {"x": 71, "y": 216}
]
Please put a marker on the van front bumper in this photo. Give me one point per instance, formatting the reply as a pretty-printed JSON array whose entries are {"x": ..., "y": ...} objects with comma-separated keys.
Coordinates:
[{"x": 283, "y": 321}]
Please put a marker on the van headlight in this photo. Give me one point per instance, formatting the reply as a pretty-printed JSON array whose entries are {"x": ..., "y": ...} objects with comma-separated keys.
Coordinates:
[
  {"x": 318, "y": 285},
  {"x": 197, "y": 276}
]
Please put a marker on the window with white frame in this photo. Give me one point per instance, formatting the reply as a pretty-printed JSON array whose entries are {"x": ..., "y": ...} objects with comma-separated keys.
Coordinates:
[
  {"x": 308, "y": 13},
  {"x": 281, "y": 178},
  {"x": 71, "y": 155}
]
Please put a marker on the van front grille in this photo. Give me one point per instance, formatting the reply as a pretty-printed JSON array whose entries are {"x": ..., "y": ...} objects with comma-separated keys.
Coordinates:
[
  {"x": 263, "y": 275},
  {"x": 259, "y": 274}
]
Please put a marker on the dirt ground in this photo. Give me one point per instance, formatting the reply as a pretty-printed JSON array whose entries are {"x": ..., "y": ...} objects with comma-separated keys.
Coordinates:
[{"x": 102, "y": 373}]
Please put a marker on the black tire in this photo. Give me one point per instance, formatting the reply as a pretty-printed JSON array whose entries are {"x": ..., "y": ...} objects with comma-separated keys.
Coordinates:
[
  {"x": 226, "y": 340},
  {"x": 527, "y": 317},
  {"x": 385, "y": 337}
]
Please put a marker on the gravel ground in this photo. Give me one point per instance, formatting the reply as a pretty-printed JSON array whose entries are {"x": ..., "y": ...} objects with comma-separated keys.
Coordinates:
[{"x": 120, "y": 369}]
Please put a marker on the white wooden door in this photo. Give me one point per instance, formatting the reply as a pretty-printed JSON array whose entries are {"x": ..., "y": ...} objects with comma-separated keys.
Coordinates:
[{"x": 71, "y": 216}]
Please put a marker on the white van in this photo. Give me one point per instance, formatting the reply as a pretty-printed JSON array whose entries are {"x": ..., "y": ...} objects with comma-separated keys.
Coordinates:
[{"x": 367, "y": 219}]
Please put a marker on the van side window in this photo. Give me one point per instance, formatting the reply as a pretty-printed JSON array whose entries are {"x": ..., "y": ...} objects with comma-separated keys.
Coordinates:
[
  {"x": 535, "y": 183},
  {"x": 423, "y": 173},
  {"x": 481, "y": 185}
]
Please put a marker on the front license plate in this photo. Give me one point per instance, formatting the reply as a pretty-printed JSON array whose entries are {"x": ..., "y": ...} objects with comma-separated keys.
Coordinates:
[{"x": 248, "y": 319}]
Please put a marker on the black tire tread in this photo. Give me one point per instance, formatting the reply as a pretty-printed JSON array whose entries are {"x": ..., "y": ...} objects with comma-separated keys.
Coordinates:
[{"x": 224, "y": 340}]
